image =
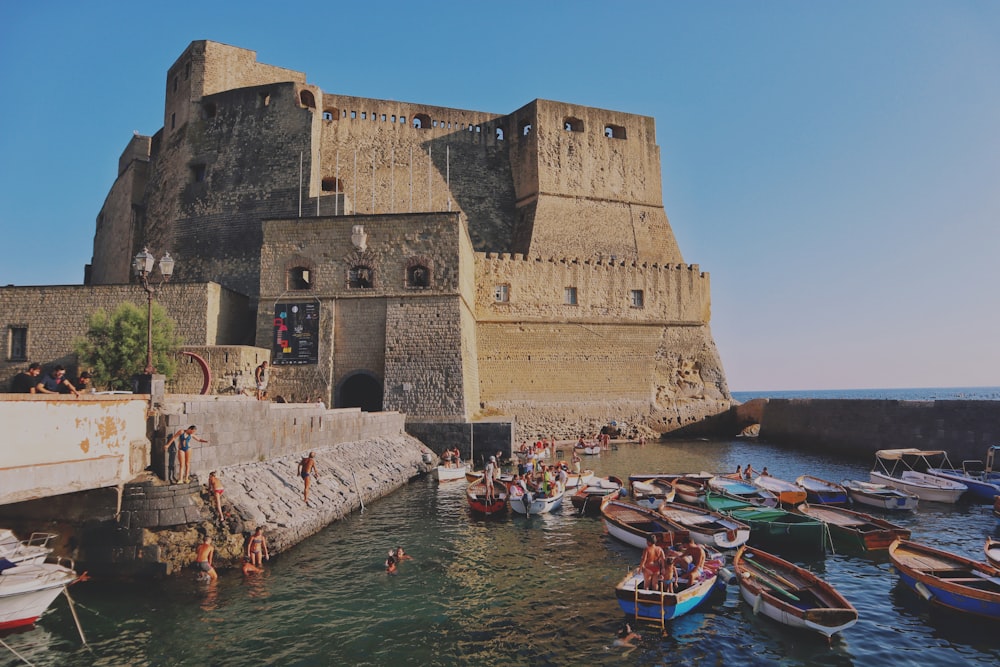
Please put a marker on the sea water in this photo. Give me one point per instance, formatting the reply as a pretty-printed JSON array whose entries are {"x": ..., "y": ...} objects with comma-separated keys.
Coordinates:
[{"x": 508, "y": 590}]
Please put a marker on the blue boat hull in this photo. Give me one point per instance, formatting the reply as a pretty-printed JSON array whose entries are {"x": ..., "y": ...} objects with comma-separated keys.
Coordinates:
[{"x": 949, "y": 599}]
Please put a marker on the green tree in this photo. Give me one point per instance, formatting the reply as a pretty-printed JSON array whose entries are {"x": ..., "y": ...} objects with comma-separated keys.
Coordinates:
[{"x": 114, "y": 348}]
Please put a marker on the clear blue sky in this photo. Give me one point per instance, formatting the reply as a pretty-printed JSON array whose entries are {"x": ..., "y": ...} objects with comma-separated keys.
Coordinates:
[{"x": 833, "y": 165}]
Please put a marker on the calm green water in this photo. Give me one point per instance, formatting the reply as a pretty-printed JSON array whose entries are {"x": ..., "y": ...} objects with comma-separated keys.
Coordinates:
[{"x": 511, "y": 590}]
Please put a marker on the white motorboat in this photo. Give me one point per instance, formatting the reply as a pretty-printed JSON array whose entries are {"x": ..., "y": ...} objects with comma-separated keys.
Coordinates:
[
  {"x": 33, "y": 550},
  {"x": 445, "y": 474},
  {"x": 529, "y": 503},
  {"x": 895, "y": 468},
  {"x": 879, "y": 495},
  {"x": 26, "y": 591}
]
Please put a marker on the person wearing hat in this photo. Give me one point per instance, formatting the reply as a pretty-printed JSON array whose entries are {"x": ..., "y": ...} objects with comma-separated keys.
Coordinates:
[{"x": 488, "y": 477}]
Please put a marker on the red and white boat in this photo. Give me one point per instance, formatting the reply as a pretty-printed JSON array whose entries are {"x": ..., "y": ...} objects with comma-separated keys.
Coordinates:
[{"x": 26, "y": 591}]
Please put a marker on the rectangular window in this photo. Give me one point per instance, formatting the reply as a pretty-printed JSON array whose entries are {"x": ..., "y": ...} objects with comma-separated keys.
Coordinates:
[
  {"x": 17, "y": 347},
  {"x": 637, "y": 298},
  {"x": 570, "y": 296},
  {"x": 501, "y": 293}
]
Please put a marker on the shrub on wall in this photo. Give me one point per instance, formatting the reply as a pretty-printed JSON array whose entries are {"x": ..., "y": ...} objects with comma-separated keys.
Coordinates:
[{"x": 114, "y": 347}]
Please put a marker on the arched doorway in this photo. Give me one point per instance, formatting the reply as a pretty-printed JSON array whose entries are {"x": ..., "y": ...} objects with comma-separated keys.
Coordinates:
[{"x": 360, "y": 390}]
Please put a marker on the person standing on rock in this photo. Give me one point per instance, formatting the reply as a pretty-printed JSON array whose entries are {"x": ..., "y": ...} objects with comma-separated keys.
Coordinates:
[
  {"x": 215, "y": 489},
  {"x": 307, "y": 470}
]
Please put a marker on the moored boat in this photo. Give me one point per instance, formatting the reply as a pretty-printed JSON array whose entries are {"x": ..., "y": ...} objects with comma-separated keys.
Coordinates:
[
  {"x": 26, "y": 591},
  {"x": 659, "y": 606},
  {"x": 895, "y": 468},
  {"x": 691, "y": 488},
  {"x": 588, "y": 497},
  {"x": 992, "y": 549},
  {"x": 856, "y": 531},
  {"x": 791, "y": 595},
  {"x": 743, "y": 491},
  {"x": 705, "y": 526},
  {"x": 445, "y": 474},
  {"x": 879, "y": 495},
  {"x": 33, "y": 550},
  {"x": 947, "y": 579},
  {"x": 983, "y": 483},
  {"x": 651, "y": 491},
  {"x": 821, "y": 492},
  {"x": 631, "y": 524},
  {"x": 530, "y": 503},
  {"x": 786, "y": 492},
  {"x": 773, "y": 527},
  {"x": 574, "y": 480},
  {"x": 483, "y": 503}
]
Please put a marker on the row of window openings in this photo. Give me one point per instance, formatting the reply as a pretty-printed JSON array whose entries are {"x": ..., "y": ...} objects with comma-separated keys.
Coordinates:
[
  {"x": 359, "y": 277},
  {"x": 501, "y": 294}
]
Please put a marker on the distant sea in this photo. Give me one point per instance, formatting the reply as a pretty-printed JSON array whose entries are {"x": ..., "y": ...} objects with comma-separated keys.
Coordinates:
[{"x": 925, "y": 394}]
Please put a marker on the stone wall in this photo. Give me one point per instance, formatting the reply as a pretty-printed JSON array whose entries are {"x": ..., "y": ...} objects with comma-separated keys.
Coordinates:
[
  {"x": 857, "y": 428},
  {"x": 231, "y": 367},
  {"x": 204, "y": 314}
]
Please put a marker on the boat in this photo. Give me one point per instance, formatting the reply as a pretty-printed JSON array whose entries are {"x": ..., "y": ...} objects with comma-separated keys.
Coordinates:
[
  {"x": 740, "y": 490},
  {"x": 651, "y": 491},
  {"x": 588, "y": 497},
  {"x": 530, "y": 503},
  {"x": 27, "y": 590},
  {"x": 946, "y": 579},
  {"x": 444, "y": 474},
  {"x": 996, "y": 508},
  {"x": 691, "y": 488},
  {"x": 575, "y": 479},
  {"x": 879, "y": 495},
  {"x": 855, "y": 531},
  {"x": 791, "y": 595},
  {"x": 772, "y": 527},
  {"x": 983, "y": 483},
  {"x": 660, "y": 606},
  {"x": 632, "y": 524},
  {"x": 821, "y": 492},
  {"x": 992, "y": 549},
  {"x": 481, "y": 504},
  {"x": 705, "y": 526},
  {"x": 788, "y": 493},
  {"x": 33, "y": 550},
  {"x": 590, "y": 450},
  {"x": 901, "y": 474}
]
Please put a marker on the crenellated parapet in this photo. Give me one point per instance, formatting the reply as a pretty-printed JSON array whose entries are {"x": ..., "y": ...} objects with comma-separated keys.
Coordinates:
[{"x": 513, "y": 287}]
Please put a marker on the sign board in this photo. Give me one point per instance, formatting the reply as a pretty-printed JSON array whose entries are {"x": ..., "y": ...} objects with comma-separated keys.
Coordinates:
[{"x": 296, "y": 334}]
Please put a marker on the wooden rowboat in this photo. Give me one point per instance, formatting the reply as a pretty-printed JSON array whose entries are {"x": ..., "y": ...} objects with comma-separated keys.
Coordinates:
[
  {"x": 740, "y": 490},
  {"x": 631, "y": 524},
  {"x": 705, "y": 526},
  {"x": 443, "y": 474},
  {"x": 787, "y": 493},
  {"x": 856, "y": 531},
  {"x": 879, "y": 495},
  {"x": 691, "y": 488},
  {"x": 660, "y": 606},
  {"x": 948, "y": 580},
  {"x": 773, "y": 527},
  {"x": 651, "y": 492},
  {"x": 481, "y": 504},
  {"x": 791, "y": 595},
  {"x": 992, "y": 549},
  {"x": 821, "y": 492},
  {"x": 588, "y": 497}
]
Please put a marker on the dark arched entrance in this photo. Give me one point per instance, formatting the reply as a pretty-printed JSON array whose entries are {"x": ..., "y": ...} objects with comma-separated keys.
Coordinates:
[{"x": 360, "y": 390}]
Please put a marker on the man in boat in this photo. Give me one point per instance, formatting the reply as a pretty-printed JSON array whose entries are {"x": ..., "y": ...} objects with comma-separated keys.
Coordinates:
[
  {"x": 692, "y": 561},
  {"x": 488, "y": 477},
  {"x": 307, "y": 470},
  {"x": 203, "y": 557},
  {"x": 652, "y": 558}
]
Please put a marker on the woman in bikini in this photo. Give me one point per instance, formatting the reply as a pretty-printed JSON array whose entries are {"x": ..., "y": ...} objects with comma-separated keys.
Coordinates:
[
  {"x": 184, "y": 438},
  {"x": 257, "y": 548},
  {"x": 652, "y": 557}
]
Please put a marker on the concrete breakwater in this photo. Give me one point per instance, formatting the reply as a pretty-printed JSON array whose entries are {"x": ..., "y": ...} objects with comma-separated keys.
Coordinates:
[{"x": 856, "y": 428}]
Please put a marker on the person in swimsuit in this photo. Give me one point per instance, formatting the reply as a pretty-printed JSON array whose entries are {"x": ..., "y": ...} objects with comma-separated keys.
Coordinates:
[
  {"x": 307, "y": 470},
  {"x": 390, "y": 565},
  {"x": 184, "y": 438},
  {"x": 652, "y": 557},
  {"x": 215, "y": 488},
  {"x": 257, "y": 548},
  {"x": 203, "y": 558}
]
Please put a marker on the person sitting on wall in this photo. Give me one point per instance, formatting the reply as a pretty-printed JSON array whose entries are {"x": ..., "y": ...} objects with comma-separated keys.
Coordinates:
[
  {"x": 25, "y": 382},
  {"x": 56, "y": 382}
]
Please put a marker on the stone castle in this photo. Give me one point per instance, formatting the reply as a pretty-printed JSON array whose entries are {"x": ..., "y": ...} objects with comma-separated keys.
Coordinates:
[{"x": 453, "y": 265}]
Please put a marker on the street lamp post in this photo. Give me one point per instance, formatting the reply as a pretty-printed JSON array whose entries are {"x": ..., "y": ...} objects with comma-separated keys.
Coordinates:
[{"x": 144, "y": 263}]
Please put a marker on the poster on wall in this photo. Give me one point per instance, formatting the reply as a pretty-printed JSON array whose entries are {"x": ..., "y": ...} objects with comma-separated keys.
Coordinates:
[{"x": 296, "y": 334}]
